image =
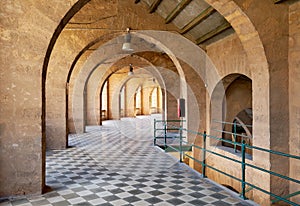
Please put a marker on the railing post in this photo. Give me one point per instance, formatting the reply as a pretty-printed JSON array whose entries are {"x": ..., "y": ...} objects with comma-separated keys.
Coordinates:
[
  {"x": 165, "y": 134},
  {"x": 154, "y": 132},
  {"x": 204, "y": 155},
  {"x": 180, "y": 142},
  {"x": 243, "y": 170},
  {"x": 234, "y": 135}
]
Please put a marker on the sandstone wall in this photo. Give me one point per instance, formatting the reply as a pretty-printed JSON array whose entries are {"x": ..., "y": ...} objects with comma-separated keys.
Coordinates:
[{"x": 294, "y": 95}]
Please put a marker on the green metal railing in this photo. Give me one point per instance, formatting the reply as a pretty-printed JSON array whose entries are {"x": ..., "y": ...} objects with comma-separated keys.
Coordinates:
[
  {"x": 234, "y": 133},
  {"x": 165, "y": 128},
  {"x": 242, "y": 161}
]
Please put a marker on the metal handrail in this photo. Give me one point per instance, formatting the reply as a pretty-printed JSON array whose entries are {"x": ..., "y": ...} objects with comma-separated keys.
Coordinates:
[
  {"x": 218, "y": 121},
  {"x": 242, "y": 162}
]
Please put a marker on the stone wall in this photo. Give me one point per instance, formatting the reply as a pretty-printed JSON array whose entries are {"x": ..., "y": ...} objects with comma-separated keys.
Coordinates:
[
  {"x": 260, "y": 49},
  {"x": 26, "y": 29},
  {"x": 294, "y": 95}
]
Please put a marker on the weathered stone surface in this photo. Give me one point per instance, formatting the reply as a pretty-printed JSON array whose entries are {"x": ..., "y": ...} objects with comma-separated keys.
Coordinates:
[{"x": 265, "y": 47}]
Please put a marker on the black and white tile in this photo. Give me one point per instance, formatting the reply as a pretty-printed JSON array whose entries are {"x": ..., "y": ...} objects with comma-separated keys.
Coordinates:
[{"x": 117, "y": 164}]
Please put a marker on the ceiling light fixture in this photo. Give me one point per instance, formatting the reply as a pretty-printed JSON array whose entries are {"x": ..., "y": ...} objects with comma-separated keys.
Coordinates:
[
  {"x": 130, "y": 73},
  {"x": 127, "y": 43}
]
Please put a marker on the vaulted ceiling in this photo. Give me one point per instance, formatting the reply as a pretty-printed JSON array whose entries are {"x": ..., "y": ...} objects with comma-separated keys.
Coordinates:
[{"x": 195, "y": 19}]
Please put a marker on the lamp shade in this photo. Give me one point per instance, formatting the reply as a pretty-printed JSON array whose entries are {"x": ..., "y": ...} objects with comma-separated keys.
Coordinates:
[
  {"x": 127, "y": 42},
  {"x": 127, "y": 46}
]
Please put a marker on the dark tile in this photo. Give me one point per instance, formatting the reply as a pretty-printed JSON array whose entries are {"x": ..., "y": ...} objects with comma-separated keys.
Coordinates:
[
  {"x": 215, "y": 189},
  {"x": 176, "y": 187},
  {"x": 108, "y": 179},
  {"x": 97, "y": 190},
  {"x": 132, "y": 199},
  {"x": 221, "y": 203},
  {"x": 111, "y": 198},
  {"x": 116, "y": 191},
  {"x": 142, "y": 180},
  {"x": 78, "y": 189},
  {"x": 177, "y": 181},
  {"x": 153, "y": 200},
  {"x": 196, "y": 195},
  {"x": 121, "y": 185},
  {"x": 157, "y": 186},
  {"x": 175, "y": 201},
  {"x": 176, "y": 194},
  {"x": 159, "y": 181},
  {"x": 218, "y": 196},
  {"x": 83, "y": 204},
  {"x": 62, "y": 203},
  {"x": 135, "y": 192},
  {"x": 51, "y": 194},
  {"x": 197, "y": 202},
  {"x": 139, "y": 185},
  {"x": 196, "y": 188},
  {"x": 156, "y": 193},
  {"x": 90, "y": 197}
]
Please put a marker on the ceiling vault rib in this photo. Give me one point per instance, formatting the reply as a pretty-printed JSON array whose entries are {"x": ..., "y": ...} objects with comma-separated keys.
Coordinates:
[
  {"x": 154, "y": 5},
  {"x": 213, "y": 33},
  {"x": 194, "y": 22},
  {"x": 177, "y": 10}
]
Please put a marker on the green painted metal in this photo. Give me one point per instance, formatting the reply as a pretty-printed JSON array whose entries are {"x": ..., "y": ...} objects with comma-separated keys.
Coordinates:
[
  {"x": 234, "y": 135},
  {"x": 223, "y": 122},
  {"x": 176, "y": 120},
  {"x": 172, "y": 148},
  {"x": 180, "y": 144},
  {"x": 287, "y": 197},
  {"x": 242, "y": 162},
  {"x": 204, "y": 156},
  {"x": 165, "y": 134},
  {"x": 154, "y": 141},
  {"x": 243, "y": 171},
  {"x": 248, "y": 189}
]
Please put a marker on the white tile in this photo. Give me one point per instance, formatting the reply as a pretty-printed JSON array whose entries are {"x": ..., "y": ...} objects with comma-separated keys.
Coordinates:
[
  {"x": 104, "y": 194},
  {"x": 76, "y": 200},
  {"x": 84, "y": 193},
  {"x": 208, "y": 199},
  {"x": 119, "y": 202},
  {"x": 55, "y": 199},
  {"x": 98, "y": 201}
]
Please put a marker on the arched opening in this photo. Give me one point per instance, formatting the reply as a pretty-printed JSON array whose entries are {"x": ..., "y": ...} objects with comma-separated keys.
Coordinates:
[
  {"x": 104, "y": 102},
  {"x": 155, "y": 100},
  {"x": 237, "y": 113},
  {"x": 138, "y": 101},
  {"x": 123, "y": 102}
]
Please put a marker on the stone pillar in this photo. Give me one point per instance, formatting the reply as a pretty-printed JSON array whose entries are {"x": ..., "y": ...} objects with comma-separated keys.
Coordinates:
[
  {"x": 294, "y": 95},
  {"x": 26, "y": 29}
]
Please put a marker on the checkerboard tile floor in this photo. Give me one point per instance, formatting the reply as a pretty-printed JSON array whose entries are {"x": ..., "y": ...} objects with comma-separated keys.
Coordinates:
[{"x": 117, "y": 164}]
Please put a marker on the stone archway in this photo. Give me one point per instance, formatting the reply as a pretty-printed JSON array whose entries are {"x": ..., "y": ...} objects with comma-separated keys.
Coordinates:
[{"x": 247, "y": 45}]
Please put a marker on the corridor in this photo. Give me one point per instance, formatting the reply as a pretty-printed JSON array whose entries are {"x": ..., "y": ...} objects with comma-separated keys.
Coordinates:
[{"x": 116, "y": 164}]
